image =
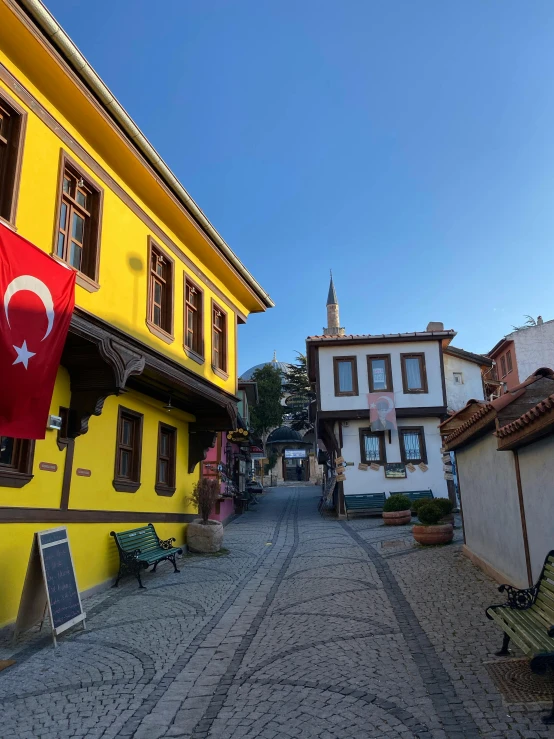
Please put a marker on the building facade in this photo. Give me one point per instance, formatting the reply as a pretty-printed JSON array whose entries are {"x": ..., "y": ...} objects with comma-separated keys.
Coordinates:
[{"x": 149, "y": 370}]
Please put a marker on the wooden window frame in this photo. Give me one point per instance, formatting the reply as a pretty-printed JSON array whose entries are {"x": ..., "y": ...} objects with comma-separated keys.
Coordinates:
[
  {"x": 388, "y": 373},
  {"x": 422, "y": 446},
  {"x": 127, "y": 484},
  {"x": 162, "y": 488},
  {"x": 222, "y": 372},
  {"x": 12, "y": 170},
  {"x": 382, "y": 446},
  {"x": 92, "y": 239},
  {"x": 422, "y": 370},
  {"x": 354, "y": 362},
  {"x": 509, "y": 362},
  {"x": 165, "y": 334},
  {"x": 196, "y": 354},
  {"x": 20, "y": 472},
  {"x": 503, "y": 365}
]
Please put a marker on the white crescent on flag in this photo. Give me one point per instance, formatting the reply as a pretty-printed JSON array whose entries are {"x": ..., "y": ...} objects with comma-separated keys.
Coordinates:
[{"x": 34, "y": 285}]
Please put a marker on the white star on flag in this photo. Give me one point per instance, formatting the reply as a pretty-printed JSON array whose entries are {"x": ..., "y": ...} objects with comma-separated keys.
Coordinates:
[{"x": 23, "y": 354}]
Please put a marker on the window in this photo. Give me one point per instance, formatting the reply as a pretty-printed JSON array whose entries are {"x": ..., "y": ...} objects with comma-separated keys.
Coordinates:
[
  {"x": 12, "y": 127},
  {"x": 159, "y": 317},
  {"x": 16, "y": 462},
  {"x": 346, "y": 375},
  {"x": 509, "y": 360},
  {"x": 128, "y": 451},
  {"x": 194, "y": 298},
  {"x": 458, "y": 378},
  {"x": 372, "y": 446},
  {"x": 165, "y": 468},
  {"x": 78, "y": 229},
  {"x": 503, "y": 365},
  {"x": 219, "y": 339},
  {"x": 412, "y": 444},
  {"x": 379, "y": 372},
  {"x": 414, "y": 377}
]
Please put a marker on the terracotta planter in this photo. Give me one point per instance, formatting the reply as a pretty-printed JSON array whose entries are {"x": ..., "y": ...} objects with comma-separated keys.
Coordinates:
[
  {"x": 439, "y": 534},
  {"x": 204, "y": 538},
  {"x": 396, "y": 518}
]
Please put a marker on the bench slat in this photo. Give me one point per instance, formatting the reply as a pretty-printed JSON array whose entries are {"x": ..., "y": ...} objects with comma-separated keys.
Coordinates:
[
  {"x": 526, "y": 634},
  {"x": 532, "y": 628},
  {"x": 513, "y": 634},
  {"x": 546, "y": 604}
]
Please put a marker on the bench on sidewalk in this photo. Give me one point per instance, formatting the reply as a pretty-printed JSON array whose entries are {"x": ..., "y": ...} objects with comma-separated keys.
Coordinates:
[
  {"x": 414, "y": 495},
  {"x": 140, "y": 548},
  {"x": 367, "y": 503},
  {"x": 528, "y": 619}
]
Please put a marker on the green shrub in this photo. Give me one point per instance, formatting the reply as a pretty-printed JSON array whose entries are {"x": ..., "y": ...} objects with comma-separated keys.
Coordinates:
[
  {"x": 445, "y": 505},
  {"x": 430, "y": 513},
  {"x": 416, "y": 505},
  {"x": 397, "y": 503}
]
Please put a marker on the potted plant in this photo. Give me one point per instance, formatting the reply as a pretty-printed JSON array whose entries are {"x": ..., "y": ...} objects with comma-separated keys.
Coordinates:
[
  {"x": 396, "y": 510},
  {"x": 446, "y": 507},
  {"x": 204, "y": 534},
  {"x": 430, "y": 530}
]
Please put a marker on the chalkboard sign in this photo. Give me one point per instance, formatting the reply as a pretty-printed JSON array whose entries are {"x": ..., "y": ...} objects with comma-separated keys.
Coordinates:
[{"x": 395, "y": 470}]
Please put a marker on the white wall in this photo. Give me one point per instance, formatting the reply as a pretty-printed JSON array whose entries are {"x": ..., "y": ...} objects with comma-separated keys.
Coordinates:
[
  {"x": 410, "y": 400},
  {"x": 536, "y": 464},
  {"x": 472, "y": 387},
  {"x": 534, "y": 348},
  {"x": 360, "y": 481},
  {"x": 490, "y": 504}
]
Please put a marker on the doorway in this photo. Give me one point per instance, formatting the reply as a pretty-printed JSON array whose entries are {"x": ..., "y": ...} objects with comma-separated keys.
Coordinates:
[{"x": 295, "y": 470}]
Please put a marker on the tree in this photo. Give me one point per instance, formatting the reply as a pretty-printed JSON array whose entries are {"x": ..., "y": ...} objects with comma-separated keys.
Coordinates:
[
  {"x": 268, "y": 413},
  {"x": 528, "y": 323},
  {"x": 298, "y": 385}
]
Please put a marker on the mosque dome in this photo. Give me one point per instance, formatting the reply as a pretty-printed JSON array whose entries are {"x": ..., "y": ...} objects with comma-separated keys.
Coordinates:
[
  {"x": 283, "y": 366},
  {"x": 284, "y": 435}
]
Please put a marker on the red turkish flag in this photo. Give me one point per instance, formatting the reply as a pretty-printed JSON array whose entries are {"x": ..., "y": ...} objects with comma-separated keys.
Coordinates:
[{"x": 37, "y": 295}]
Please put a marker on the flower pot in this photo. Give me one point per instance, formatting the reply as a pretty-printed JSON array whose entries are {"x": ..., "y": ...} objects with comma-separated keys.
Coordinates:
[
  {"x": 204, "y": 538},
  {"x": 439, "y": 534},
  {"x": 396, "y": 518}
]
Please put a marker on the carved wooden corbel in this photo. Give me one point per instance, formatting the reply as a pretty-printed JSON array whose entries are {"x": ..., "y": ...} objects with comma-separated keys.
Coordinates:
[{"x": 200, "y": 440}]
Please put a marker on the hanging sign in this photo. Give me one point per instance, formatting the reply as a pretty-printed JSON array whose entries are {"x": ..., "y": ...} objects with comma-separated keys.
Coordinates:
[
  {"x": 341, "y": 478},
  {"x": 423, "y": 467},
  {"x": 375, "y": 467},
  {"x": 448, "y": 476},
  {"x": 447, "y": 468},
  {"x": 340, "y": 460},
  {"x": 50, "y": 582},
  {"x": 446, "y": 458},
  {"x": 410, "y": 467},
  {"x": 363, "y": 467}
]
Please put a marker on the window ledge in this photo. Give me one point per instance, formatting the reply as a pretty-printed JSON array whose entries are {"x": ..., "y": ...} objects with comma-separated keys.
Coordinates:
[
  {"x": 123, "y": 486},
  {"x": 416, "y": 392},
  {"x": 84, "y": 281},
  {"x": 191, "y": 354},
  {"x": 220, "y": 373},
  {"x": 164, "y": 490},
  {"x": 8, "y": 224},
  {"x": 160, "y": 333},
  {"x": 14, "y": 479},
  {"x": 346, "y": 395}
]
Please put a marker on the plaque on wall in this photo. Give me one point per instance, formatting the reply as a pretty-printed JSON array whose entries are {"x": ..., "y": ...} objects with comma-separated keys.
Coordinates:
[
  {"x": 395, "y": 470},
  {"x": 363, "y": 467},
  {"x": 410, "y": 467},
  {"x": 47, "y": 466},
  {"x": 375, "y": 467},
  {"x": 423, "y": 467}
]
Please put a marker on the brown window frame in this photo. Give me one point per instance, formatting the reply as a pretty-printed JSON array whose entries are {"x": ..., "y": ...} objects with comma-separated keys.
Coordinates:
[
  {"x": 503, "y": 365},
  {"x": 422, "y": 446},
  {"x": 197, "y": 351},
  {"x": 509, "y": 361},
  {"x": 165, "y": 331},
  {"x": 20, "y": 471},
  {"x": 382, "y": 446},
  {"x": 128, "y": 484},
  {"x": 422, "y": 372},
  {"x": 167, "y": 489},
  {"x": 388, "y": 373},
  {"x": 220, "y": 369},
  {"x": 10, "y": 164},
  {"x": 88, "y": 273},
  {"x": 354, "y": 362}
]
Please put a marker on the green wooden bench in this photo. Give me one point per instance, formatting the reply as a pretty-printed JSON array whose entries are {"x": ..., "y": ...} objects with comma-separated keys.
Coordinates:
[
  {"x": 140, "y": 548},
  {"x": 528, "y": 619},
  {"x": 364, "y": 503}
]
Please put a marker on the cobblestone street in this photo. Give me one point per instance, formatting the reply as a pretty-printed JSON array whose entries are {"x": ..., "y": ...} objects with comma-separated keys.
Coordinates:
[{"x": 310, "y": 627}]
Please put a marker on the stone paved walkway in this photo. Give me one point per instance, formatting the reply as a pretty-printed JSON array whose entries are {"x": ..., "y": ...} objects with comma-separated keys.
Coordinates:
[{"x": 310, "y": 627}]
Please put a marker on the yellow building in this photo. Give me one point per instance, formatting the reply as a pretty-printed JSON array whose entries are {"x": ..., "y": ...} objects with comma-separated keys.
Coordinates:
[{"x": 149, "y": 370}]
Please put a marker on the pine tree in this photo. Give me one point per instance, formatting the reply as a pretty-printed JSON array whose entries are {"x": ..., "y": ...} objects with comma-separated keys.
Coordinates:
[
  {"x": 268, "y": 413},
  {"x": 298, "y": 385}
]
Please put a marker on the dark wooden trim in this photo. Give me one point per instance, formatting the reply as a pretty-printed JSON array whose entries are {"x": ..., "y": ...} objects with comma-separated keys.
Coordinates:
[
  {"x": 388, "y": 373},
  {"x": 167, "y": 489},
  {"x": 73, "y": 515},
  {"x": 382, "y": 446},
  {"x": 67, "y": 473},
  {"x": 198, "y": 357},
  {"x": 422, "y": 444},
  {"x": 317, "y": 380},
  {"x": 460, "y": 496},
  {"x": 443, "y": 377},
  {"x": 341, "y": 443},
  {"x": 354, "y": 364},
  {"x": 10, "y": 217},
  {"x": 13, "y": 479},
  {"x": 127, "y": 484},
  {"x": 431, "y": 411},
  {"x": 89, "y": 282},
  {"x": 523, "y": 520},
  {"x": 422, "y": 368},
  {"x": 220, "y": 371},
  {"x": 159, "y": 331},
  {"x": 22, "y": 474}
]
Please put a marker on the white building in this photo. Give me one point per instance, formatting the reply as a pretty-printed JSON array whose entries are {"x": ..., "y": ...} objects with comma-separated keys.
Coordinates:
[{"x": 426, "y": 377}]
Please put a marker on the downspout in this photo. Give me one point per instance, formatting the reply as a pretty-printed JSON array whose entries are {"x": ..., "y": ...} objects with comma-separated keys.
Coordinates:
[{"x": 61, "y": 40}]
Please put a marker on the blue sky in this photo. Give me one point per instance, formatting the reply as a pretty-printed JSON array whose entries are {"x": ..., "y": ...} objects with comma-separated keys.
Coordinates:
[{"x": 409, "y": 145}]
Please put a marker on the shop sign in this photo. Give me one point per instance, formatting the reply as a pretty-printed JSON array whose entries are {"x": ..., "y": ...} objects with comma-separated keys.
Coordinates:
[{"x": 295, "y": 453}]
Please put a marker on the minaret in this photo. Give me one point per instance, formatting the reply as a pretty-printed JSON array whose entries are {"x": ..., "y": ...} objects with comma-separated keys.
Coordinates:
[{"x": 334, "y": 327}]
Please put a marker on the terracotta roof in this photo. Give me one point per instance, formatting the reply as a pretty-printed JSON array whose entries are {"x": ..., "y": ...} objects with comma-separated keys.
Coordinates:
[
  {"x": 410, "y": 334},
  {"x": 480, "y": 413},
  {"x": 527, "y": 418}
]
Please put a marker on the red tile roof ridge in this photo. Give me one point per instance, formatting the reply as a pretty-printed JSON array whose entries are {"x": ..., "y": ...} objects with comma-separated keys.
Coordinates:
[
  {"x": 470, "y": 402},
  {"x": 528, "y": 417},
  {"x": 485, "y": 408}
]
